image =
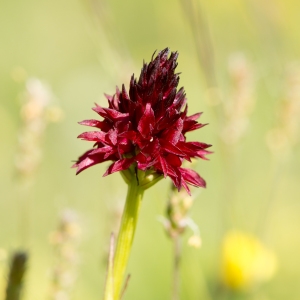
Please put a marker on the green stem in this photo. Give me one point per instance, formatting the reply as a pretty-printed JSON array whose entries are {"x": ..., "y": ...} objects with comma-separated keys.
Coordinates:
[{"x": 126, "y": 234}]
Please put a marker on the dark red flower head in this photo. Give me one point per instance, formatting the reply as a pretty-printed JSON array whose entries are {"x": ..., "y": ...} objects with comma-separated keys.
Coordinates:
[{"x": 146, "y": 128}]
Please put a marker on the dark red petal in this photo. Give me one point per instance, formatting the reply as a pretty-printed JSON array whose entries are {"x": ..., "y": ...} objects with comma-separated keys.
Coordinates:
[
  {"x": 131, "y": 135},
  {"x": 194, "y": 117},
  {"x": 82, "y": 157},
  {"x": 192, "y": 149},
  {"x": 110, "y": 153},
  {"x": 145, "y": 162},
  {"x": 167, "y": 146},
  {"x": 176, "y": 131},
  {"x": 173, "y": 160},
  {"x": 141, "y": 161},
  {"x": 168, "y": 100},
  {"x": 175, "y": 181},
  {"x": 116, "y": 100},
  {"x": 88, "y": 162},
  {"x": 164, "y": 166},
  {"x": 93, "y": 123},
  {"x": 199, "y": 145},
  {"x": 124, "y": 93},
  {"x": 177, "y": 178},
  {"x": 108, "y": 97},
  {"x": 143, "y": 76},
  {"x": 192, "y": 177},
  {"x": 180, "y": 100},
  {"x": 119, "y": 165},
  {"x": 110, "y": 114},
  {"x": 152, "y": 148},
  {"x": 192, "y": 126},
  {"x": 104, "y": 149},
  {"x": 171, "y": 170},
  {"x": 113, "y": 101},
  {"x": 93, "y": 136},
  {"x": 128, "y": 106},
  {"x": 113, "y": 136},
  {"x": 133, "y": 91},
  {"x": 168, "y": 118},
  {"x": 202, "y": 154},
  {"x": 172, "y": 135},
  {"x": 124, "y": 147},
  {"x": 146, "y": 123},
  {"x": 183, "y": 183}
]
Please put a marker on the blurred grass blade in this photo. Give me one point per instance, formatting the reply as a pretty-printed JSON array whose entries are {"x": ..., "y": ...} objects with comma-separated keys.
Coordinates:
[
  {"x": 125, "y": 287},
  {"x": 199, "y": 26},
  {"x": 109, "y": 285},
  {"x": 16, "y": 275},
  {"x": 176, "y": 271},
  {"x": 196, "y": 18},
  {"x": 65, "y": 240}
]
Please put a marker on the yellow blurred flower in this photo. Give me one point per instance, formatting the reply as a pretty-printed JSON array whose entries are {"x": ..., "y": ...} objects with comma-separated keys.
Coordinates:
[{"x": 245, "y": 261}]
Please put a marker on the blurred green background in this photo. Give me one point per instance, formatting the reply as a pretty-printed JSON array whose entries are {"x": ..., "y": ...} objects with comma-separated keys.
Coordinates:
[{"x": 85, "y": 48}]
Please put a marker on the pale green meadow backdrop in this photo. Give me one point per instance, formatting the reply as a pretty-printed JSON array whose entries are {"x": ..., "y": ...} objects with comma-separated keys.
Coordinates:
[{"x": 85, "y": 48}]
